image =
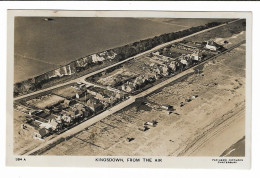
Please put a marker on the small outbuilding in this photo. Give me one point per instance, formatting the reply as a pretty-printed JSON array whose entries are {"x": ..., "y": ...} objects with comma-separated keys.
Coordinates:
[{"x": 167, "y": 107}]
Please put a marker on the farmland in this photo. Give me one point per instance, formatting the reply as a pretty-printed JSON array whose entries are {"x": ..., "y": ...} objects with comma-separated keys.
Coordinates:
[
  {"x": 54, "y": 42},
  {"x": 47, "y": 45}
]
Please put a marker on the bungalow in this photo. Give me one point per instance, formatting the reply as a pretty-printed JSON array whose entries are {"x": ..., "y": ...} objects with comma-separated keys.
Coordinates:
[
  {"x": 196, "y": 57},
  {"x": 213, "y": 46}
]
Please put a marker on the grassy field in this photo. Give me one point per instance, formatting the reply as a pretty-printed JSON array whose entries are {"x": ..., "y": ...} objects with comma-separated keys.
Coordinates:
[
  {"x": 66, "y": 39},
  {"x": 187, "y": 22},
  {"x": 225, "y": 32},
  {"x": 44, "y": 45}
]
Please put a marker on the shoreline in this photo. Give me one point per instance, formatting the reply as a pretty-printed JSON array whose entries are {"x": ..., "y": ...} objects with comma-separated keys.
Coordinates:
[{"x": 223, "y": 139}]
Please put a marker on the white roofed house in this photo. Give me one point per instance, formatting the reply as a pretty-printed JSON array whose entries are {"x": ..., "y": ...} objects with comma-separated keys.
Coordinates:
[
  {"x": 188, "y": 58},
  {"x": 128, "y": 87},
  {"x": 56, "y": 124},
  {"x": 96, "y": 58},
  {"x": 196, "y": 57},
  {"x": 165, "y": 70},
  {"x": 119, "y": 95},
  {"x": 184, "y": 62},
  {"x": 213, "y": 46},
  {"x": 67, "y": 119},
  {"x": 173, "y": 66}
]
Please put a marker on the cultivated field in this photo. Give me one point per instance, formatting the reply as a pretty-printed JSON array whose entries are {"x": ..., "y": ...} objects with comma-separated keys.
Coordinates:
[
  {"x": 63, "y": 40},
  {"x": 41, "y": 46}
]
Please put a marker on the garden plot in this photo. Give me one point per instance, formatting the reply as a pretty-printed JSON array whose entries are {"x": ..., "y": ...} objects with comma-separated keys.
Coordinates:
[{"x": 45, "y": 101}]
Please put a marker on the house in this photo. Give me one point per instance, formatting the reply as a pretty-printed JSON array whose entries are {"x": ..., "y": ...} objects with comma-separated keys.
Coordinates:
[
  {"x": 46, "y": 126},
  {"x": 67, "y": 102},
  {"x": 184, "y": 62},
  {"x": 67, "y": 119},
  {"x": 157, "y": 76},
  {"x": 55, "y": 125},
  {"x": 41, "y": 120},
  {"x": 165, "y": 70},
  {"x": 119, "y": 95},
  {"x": 128, "y": 87},
  {"x": 94, "y": 104},
  {"x": 80, "y": 94},
  {"x": 196, "y": 57},
  {"x": 139, "y": 82},
  {"x": 158, "y": 70},
  {"x": 55, "y": 122},
  {"x": 35, "y": 112},
  {"x": 56, "y": 110},
  {"x": 211, "y": 45},
  {"x": 173, "y": 66},
  {"x": 44, "y": 132}
]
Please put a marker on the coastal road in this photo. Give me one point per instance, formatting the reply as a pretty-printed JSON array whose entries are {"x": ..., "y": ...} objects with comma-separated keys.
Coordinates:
[
  {"x": 82, "y": 78},
  {"x": 119, "y": 107},
  {"x": 83, "y": 125}
]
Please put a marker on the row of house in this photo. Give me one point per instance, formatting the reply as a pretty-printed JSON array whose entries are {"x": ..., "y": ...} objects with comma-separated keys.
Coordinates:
[
  {"x": 71, "y": 68},
  {"x": 161, "y": 66},
  {"x": 137, "y": 83},
  {"x": 83, "y": 103},
  {"x": 105, "y": 96},
  {"x": 55, "y": 122}
]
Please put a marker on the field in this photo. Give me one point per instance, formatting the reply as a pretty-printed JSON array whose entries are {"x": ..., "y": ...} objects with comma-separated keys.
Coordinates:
[
  {"x": 225, "y": 32},
  {"x": 204, "y": 126},
  {"x": 45, "y": 101},
  {"x": 41, "y": 46},
  {"x": 66, "y": 92},
  {"x": 63, "y": 40},
  {"x": 186, "y": 22}
]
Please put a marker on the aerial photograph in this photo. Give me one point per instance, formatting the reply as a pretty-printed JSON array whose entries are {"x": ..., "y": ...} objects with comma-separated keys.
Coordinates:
[{"x": 124, "y": 86}]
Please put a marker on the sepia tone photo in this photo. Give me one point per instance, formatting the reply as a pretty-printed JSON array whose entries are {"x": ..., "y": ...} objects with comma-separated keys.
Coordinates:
[{"x": 134, "y": 86}]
